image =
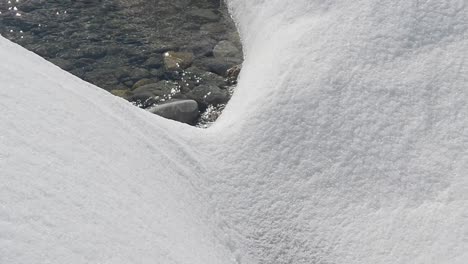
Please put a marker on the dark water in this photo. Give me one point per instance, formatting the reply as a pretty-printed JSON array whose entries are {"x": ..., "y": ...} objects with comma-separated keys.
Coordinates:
[{"x": 120, "y": 45}]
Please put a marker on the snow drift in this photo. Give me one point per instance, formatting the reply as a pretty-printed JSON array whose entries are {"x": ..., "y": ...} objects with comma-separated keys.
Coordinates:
[{"x": 346, "y": 142}]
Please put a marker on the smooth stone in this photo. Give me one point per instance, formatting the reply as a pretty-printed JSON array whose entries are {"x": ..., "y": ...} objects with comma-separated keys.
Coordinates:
[
  {"x": 139, "y": 73},
  {"x": 218, "y": 65},
  {"x": 174, "y": 61},
  {"x": 121, "y": 93},
  {"x": 122, "y": 72},
  {"x": 206, "y": 95},
  {"x": 185, "y": 111},
  {"x": 212, "y": 28},
  {"x": 153, "y": 62},
  {"x": 142, "y": 82},
  {"x": 159, "y": 89},
  {"x": 91, "y": 52},
  {"x": 204, "y": 15},
  {"x": 64, "y": 64},
  {"x": 226, "y": 49}
]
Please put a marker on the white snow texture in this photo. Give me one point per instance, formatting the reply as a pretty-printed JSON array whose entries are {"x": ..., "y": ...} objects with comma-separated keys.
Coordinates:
[{"x": 346, "y": 142}]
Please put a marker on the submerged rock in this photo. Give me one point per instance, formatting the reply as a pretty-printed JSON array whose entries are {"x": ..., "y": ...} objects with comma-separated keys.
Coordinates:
[
  {"x": 185, "y": 111},
  {"x": 142, "y": 82},
  {"x": 159, "y": 89},
  {"x": 226, "y": 49},
  {"x": 174, "y": 61},
  {"x": 206, "y": 95}
]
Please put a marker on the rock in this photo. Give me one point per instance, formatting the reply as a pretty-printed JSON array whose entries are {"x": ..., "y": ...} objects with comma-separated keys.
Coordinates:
[
  {"x": 128, "y": 83},
  {"x": 202, "y": 47},
  {"x": 226, "y": 49},
  {"x": 104, "y": 77},
  {"x": 64, "y": 64},
  {"x": 206, "y": 95},
  {"x": 121, "y": 93},
  {"x": 212, "y": 28},
  {"x": 233, "y": 74},
  {"x": 174, "y": 61},
  {"x": 199, "y": 77},
  {"x": 212, "y": 78},
  {"x": 122, "y": 72},
  {"x": 83, "y": 62},
  {"x": 94, "y": 52},
  {"x": 153, "y": 62},
  {"x": 218, "y": 65},
  {"x": 142, "y": 82},
  {"x": 139, "y": 73},
  {"x": 155, "y": 91},
  {"x": 48, "y": 50},
  {"x": 185, "y": 111},
  {"x": 204, "y": 15}
]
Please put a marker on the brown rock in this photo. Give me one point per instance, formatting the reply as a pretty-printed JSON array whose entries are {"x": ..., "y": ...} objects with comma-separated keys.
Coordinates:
[{"x": 174, "y": 61}]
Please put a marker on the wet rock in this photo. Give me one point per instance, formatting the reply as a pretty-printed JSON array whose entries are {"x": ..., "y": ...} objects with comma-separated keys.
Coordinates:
[
  {"x": 48, "y": 50},
  {"x": 233, "y": 74},
  {"x": 83, "y": 62},
  {"x": 218, "y": 65},
  {"x": 204, "y": 15},
  {"x": 94, "y": 52},
  {"x": 122, "y": 72},
  {"x": 128, "y": 83},
  {"x": 174, "y": 61},
  {"x": 139, "y": 73},
  {"x": 161, "y": 90},
  {"x": 104, "y": 76},
  {"x": 212, "y": 28},
  {"x": 142, "y": 82},
  {"x": 153, "y": 62},
  {"x": 64, "y": 64},
  {"x": 225, "y": 49},
  {"x": 185, "y": 111},
  {"x": 121, "y": 93},
  {"x": 212, "y": 78},
  {"x": 206, "y": 95}
]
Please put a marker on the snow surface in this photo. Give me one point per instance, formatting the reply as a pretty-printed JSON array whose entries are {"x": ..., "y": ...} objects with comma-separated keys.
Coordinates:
[{"x": 346, "y": 142}]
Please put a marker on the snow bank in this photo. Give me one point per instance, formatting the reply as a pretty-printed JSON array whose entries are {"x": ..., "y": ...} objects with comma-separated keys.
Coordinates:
[{"x": 346, "y": 142}]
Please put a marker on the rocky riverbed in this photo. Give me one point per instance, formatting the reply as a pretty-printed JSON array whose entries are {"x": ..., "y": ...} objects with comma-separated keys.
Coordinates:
[{"x": 158, "y": 54}]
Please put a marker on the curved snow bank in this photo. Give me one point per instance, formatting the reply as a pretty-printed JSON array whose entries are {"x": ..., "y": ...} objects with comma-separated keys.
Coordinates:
[
  {"x": 350, "y": 126},
  {"x": 346, "y": 142},
  {"x": 87, "y": 178}
]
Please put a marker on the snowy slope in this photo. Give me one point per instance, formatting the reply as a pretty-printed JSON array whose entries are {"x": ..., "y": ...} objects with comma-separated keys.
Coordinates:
[{"x": 346, "y": 142}]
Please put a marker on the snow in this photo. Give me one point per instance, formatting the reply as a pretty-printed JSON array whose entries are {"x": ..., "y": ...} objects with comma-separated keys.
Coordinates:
[{"x": 346, "y": 141}]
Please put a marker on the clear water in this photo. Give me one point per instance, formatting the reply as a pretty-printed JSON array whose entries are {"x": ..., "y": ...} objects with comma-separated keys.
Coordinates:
[{"x": 114, "y": 44}]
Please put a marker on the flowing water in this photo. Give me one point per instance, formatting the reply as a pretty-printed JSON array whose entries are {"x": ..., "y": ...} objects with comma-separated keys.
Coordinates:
[{"x": 121, "y": 45}]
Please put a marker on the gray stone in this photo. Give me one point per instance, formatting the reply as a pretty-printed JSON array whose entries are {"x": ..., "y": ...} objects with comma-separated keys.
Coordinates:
[
  {"x": 218, "y": 65},
  {"x": 212, "y": 28},
  {"x": 226, "y": 49},
  {"x": 174, "y": 61},
  {"x": 160, "y": 89},
  {"x": 153, "y": 62},
  {"x": 206, "y": 95},
  {"x": 142, "y": 82},
  {"x": 64, "y": 64},
  {"x": 204, "y": 15},
  {"x": 212, "y": 78},
  {"x": 139, "y": 73},
  {"x": 94, "y": 52},
  {"x": 185, "y": 111}
]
